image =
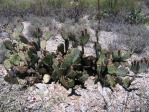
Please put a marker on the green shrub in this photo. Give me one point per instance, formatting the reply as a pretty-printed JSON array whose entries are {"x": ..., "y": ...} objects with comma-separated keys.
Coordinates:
[
  {"x": 146, "y": 20},
  {"x": 115, "y": 6},
  {"x": 135, "y": 17}
]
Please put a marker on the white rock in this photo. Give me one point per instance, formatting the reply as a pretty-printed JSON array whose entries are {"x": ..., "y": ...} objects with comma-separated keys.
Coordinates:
[{"x": 46, "y": 78}]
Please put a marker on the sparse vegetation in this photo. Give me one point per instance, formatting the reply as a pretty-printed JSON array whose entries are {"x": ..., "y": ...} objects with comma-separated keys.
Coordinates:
[
  {"x": 28, "y": 61},
  {"x": 133, "y": 38},
  {"x": 63, "y": 9},
  {"x": 135, "y": 17}
]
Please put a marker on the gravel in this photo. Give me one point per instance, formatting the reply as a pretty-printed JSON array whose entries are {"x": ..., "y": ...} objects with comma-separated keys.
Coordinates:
[{"x": 55, "y": 98}]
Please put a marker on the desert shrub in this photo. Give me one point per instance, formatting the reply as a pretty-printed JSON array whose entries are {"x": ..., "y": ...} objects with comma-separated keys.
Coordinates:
[
  {"x": 14, "y": 4},
  {"x": 147, "y": 3},
  {"x": 146, "y": 21},
  {"x": 114, "y": 6},
  {"x": 117, "y": 10},
  {"x": 63, "y": 9},
  {"x": 106, "y": 26},
  {"x": 135, "y": 17},
  {"x": 39, "y": 21},
  {"x": 133, "y": 37},
  {"x": 60, "y": 9},
  {"x": 74, "y": 10}
]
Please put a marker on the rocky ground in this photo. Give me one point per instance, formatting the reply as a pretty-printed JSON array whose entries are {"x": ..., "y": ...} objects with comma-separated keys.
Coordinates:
[{"x": 55, "y": 98}]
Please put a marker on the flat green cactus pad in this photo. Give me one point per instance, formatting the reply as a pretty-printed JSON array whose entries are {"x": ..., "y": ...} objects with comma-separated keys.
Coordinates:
[{"x": 67, "y": 82}]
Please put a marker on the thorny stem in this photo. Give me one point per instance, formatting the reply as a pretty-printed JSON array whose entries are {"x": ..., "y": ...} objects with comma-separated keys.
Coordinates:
[
  {"x": 66, "y": 45},
  {"x": 97, "y": 39},
  {"x": 99, "y": 16},
  {"x": 41, "y": 9},
  {"x": 82, "y": 49}
]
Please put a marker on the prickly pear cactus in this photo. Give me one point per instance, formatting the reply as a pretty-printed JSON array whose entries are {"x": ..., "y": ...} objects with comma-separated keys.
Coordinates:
[
  {"x": 127, "y": 82},
  {"x": 8, "y": 44},
  {"x": 67, "y": 68},
  {"x": 29, "y": 60},
  {"x": 8, "y": 64},
  {"x": 111, "y": 67},
  {"x": 64, "y": 34},
  {"x": 47, "y": 36},
  {"x": 111, "y": 80},
  {"x": 122, "y": 71},
  {"x": 139, "y": 66},
  {"x": 21, "y": 55},
  {"x": 118, "y": 56},
  {"x": 19, "y": 27},
  {"x": 84, "y": 37},
  {"x": 67, "y": 82},
  {"x": 43, "y": 44},
  {"x": 61, "y": 49},
  {"x": 15, "y": 59}
]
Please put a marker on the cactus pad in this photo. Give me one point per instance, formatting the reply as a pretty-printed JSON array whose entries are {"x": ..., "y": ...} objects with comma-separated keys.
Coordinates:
[
  {"x": 8, "y": 44},
  {"x": 67, "y": 82},
  {"x": 43, "y": 44},
  {"x": 7, "y": 64}
]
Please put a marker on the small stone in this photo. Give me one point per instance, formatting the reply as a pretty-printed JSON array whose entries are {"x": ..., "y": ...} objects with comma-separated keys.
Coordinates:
[
  {"x": 22, "y": 63},
  {"x": 46, "y": 78}
]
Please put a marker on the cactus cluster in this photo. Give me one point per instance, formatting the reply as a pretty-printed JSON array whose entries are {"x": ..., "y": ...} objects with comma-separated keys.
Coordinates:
[
  {"x": 140, "y": 66},
  {"x": 71, "y": 37},
  {"x": 68, "y": 69},
  {"x": 111, "y": 68},
  {"x": 30, "y": 61},
  {"x": 23, "y": 57}
]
